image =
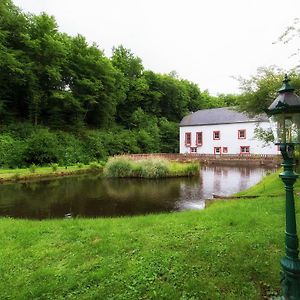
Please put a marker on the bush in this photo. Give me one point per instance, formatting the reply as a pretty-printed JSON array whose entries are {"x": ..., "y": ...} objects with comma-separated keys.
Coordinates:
[
  {"x": 93, "y": 145},
  {"x": 169, "y": 136},
  {"x": 42, "y": 148},
  {"x": 148, "y": 142},
  {"x": 119, "y": 141},
  {"x": 20, "y": 130},
  {"x": 71, "y": 149},
  {"x": 11, "y": 151}
]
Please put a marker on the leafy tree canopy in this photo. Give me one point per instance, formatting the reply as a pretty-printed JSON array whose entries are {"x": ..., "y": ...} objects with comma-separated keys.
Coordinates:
[{"x": 55, "y": 88}]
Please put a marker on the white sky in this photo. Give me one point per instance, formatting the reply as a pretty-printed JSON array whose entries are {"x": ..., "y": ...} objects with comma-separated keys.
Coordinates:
[{"x": 206, "y": 42}]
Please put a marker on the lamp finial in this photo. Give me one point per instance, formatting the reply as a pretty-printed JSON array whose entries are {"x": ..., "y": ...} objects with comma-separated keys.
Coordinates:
[{"x": 286, "y": 87}]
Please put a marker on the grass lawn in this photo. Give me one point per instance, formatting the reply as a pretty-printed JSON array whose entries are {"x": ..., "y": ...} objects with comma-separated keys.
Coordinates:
[
  {"x": 26, "y": 173},
  {"x": 230, "y": 250}
]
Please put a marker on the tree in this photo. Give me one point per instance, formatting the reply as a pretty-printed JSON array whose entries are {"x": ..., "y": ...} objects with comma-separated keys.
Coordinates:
[
  {"x": 292, "y": 34},
  {"x": 47, "y": 51},
  {"x": 152, "y": 97},
  {"x": 228, "y": 99},
  {"x": 13, "y": 64},
  {"x": 169, "y": 136},
  {"x": 136, "y": 86},
  {"x": 92, "y": 80},
  {"x": 124, "y": 60},
  {"x": 175, "y": 98},
  {"x": 261, "y": 89}
]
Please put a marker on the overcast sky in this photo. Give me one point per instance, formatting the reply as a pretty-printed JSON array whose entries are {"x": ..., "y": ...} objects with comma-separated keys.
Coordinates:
[{"x": 206, "y": 42}]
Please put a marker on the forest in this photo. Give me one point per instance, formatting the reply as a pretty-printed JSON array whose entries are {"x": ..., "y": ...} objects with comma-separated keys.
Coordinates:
[{"x": 64, "y": 101}]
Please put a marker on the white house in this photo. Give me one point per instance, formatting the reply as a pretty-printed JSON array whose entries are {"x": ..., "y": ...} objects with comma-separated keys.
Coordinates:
[{"x": 223, "y": 131}]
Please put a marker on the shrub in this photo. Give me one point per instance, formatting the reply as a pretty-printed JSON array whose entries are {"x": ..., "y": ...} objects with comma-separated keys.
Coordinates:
[
  {"x": 93, "y": 145},
  {"x": 147, "y": 141},
  {"x": 42, "y": 147},
  {"x": 119, "y": 141},
  {"x": 11, "y": 151},
  {"x": 20, "y": 130},
  {"x": 169, "y": 136},
  {"x": 71, "y": 149}
]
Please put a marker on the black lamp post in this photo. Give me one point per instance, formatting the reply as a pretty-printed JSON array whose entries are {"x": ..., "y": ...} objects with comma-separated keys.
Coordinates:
[{"x": 284, "y": 115}]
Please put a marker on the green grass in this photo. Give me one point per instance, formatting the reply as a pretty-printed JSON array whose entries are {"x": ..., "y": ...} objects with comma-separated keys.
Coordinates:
[
  {"x": 149, "y": 168},
  {"x": 230, "y": 250},
  {"x": 40, "y": 172},
  {"x": 271, "y": 185}
]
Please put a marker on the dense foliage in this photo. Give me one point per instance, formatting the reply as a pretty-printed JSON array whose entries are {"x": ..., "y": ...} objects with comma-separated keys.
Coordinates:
[{"x": 63, "y": 101}]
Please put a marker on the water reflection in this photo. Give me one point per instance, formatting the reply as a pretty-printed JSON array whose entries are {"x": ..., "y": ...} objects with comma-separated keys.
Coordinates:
[
  {"x": 93, "y": 196},
  {"x": 218, "y": 180}
]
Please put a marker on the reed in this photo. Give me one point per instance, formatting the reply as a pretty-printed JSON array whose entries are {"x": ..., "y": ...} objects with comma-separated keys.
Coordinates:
[{"x": 148, "y": 168}]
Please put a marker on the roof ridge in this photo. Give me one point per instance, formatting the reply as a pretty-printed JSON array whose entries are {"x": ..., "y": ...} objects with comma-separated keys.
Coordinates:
[{"x": 219, "y": 115}]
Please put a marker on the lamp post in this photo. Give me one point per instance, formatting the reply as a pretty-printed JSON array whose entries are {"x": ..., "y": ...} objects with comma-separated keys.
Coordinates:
[{"x": 284, "y": 115}]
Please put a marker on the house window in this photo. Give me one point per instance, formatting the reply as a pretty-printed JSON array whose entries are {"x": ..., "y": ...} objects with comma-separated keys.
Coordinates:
[
  {"x": 245, "y": 150},
  {"x": 188, "y": 138},
  {"x": 225, "y": 150},
  {"x": 217, "y": 150},
  {"x": 242, "y": 134},
  {"x": 193, "y": 149},
  {"x": 216, "y": 135},
  {"x": 199, "y": 138}
]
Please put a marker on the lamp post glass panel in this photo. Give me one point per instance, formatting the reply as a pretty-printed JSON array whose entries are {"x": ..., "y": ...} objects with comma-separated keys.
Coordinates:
[{"x": 284, "y": 115}]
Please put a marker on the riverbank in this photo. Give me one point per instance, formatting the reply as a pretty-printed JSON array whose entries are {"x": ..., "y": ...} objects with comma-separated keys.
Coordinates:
[
  {"x": 39, "y": 173},
  {"x": 209, "y": 254},
  {"x": 119, "y": 167}
]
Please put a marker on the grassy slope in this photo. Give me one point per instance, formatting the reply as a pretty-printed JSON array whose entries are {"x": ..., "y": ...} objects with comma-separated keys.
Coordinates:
[
  {"x": 229, "y": 251},
  {"x": 271, "y": 185}
]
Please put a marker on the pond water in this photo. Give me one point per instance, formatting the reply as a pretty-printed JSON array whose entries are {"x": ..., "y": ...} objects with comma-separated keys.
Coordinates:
[{"x": 93, "y": 196}]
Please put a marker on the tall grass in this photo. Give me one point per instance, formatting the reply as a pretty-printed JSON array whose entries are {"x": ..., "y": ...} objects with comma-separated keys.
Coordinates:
[
  {"x": 118, "y": 168},
  {"x": 148, "y": 168}
]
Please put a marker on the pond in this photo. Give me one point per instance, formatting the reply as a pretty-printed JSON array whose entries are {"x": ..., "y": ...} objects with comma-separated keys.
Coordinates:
[{"x": 94, "y": 196}]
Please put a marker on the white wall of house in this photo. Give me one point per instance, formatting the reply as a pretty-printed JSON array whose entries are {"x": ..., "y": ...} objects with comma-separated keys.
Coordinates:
[{"x": 228, "y": 138}]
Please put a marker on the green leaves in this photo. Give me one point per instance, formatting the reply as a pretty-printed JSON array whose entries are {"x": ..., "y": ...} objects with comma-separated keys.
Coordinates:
[
  {"x": 56, "y": 81},
  {"x": 261, "y": 89}
]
